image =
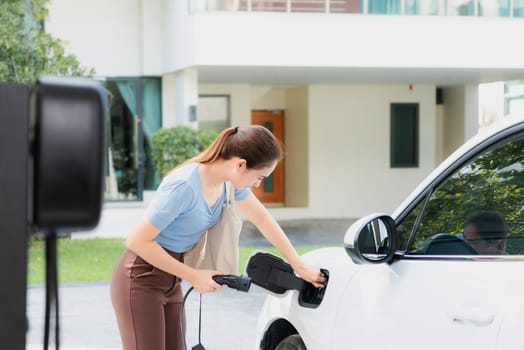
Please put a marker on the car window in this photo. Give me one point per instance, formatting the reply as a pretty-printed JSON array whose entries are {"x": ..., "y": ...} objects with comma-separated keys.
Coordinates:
[
  {"x": 476, "y": 210},
  {"x": 406, "y": 227}
]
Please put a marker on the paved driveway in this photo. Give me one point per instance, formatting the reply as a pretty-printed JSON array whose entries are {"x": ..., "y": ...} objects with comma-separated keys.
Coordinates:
[
  {"x": 87, "y": 322},
  {"x": 229, "y": 317}
]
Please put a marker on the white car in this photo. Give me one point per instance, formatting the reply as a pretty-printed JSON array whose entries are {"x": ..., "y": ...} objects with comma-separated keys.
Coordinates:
[{"x": 444, "y": 271}]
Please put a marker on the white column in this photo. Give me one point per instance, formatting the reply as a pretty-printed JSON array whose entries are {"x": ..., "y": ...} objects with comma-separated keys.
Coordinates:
[
  {"x": 179, "y": 96},
  {"x": 471, "y": 111},
  {"x": 168, "y": 100},
  {"x": 440, "y": 153}
]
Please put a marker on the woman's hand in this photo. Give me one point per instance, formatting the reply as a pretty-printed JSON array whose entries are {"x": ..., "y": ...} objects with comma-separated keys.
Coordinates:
[
  {"x": 312, "y": 275},
  {"x": 202, "y": 280}
]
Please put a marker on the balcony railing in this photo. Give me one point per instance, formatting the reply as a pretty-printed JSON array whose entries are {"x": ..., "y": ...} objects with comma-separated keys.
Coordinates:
[{"x": 484, "y": 8}]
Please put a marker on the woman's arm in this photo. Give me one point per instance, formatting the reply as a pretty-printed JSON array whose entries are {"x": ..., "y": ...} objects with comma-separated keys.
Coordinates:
[
  {"x": 255, "y": 212},
  {"x": 142, "y": 242}
]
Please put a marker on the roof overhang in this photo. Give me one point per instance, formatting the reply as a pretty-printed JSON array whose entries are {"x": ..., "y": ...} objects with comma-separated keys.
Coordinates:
[{"x": 354, "y": 75}]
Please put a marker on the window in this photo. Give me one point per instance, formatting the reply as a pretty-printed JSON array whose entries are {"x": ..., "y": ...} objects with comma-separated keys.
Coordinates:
[
  {"x": 408, "y": 224},
  {"x": 514, "y": 98},
  {"x": 460, "y": 8},
  {"x": 422, "y": 7},
  {"x": 384, "y": 7},
  {"x": 489, "y": 8},
  {"x": 213, "y": 112},
  {"x": 518, "y": 8},
  {"x": 487, "y": 192},
  {"x": 404, "y": 135},
  {"x": 134, "y": 115}
]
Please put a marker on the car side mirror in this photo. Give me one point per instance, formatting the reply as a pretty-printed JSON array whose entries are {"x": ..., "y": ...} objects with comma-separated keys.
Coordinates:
[{"x": 371, "y": 239}]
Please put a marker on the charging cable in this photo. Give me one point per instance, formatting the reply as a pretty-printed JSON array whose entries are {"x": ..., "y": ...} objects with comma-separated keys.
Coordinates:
[
  {"x": 199, "y": 346},
  {"x": 240, "y": 283},
  {"x": 51, "y": 289}
]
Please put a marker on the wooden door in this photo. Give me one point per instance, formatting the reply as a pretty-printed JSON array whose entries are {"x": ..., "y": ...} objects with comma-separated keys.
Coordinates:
[{"x": 271, "y": 190}]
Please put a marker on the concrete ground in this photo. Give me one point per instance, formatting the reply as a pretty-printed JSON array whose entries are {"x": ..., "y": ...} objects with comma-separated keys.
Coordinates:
[
  {"x": 229, "y": 317},
  {"x": 87, "y": 321},
  {"x": 325, "y": 232}
]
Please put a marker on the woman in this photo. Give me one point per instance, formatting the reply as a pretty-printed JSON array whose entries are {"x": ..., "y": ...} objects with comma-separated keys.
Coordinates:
[{"x": 145, "y": 288}]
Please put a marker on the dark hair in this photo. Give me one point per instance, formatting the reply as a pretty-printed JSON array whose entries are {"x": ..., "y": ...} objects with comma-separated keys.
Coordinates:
[
  {"x": 254, "y": 143},
  {"x": 489, "y": 223}
]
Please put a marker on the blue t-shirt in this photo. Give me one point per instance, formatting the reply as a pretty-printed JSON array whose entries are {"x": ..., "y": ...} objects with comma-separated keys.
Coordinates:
[{"x": 180, "y": 211}]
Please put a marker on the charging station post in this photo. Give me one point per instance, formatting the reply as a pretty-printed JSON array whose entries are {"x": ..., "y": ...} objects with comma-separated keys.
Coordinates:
[
  {"x": 14, "y": 124},
  {"x": 52, "y": 144}
]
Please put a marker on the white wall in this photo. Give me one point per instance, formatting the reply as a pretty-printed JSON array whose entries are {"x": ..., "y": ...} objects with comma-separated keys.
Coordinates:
[
  {"x": 347, "y": 128},
  {"x": 440, "y": 153},
  {"x": 461, "y": 116},
  {"x": 116, "y": 38},
  {"x": 264, "y": 97},
  {"x": 179, "y": 36},
  {"x": 152, "y": 37},
  {"x": 296, "y": 130},
  {"x": 284, "y": 39},
  {"x": 349, "y": 135},
  {"x": 240, "y": 99},
  {"x": 471, "y": 111},
  {"x": 347, "y": 171}
]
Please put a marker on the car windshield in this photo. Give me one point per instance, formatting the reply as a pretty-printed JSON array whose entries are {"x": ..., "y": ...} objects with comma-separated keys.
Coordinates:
[{"x": 478, "y": 209}]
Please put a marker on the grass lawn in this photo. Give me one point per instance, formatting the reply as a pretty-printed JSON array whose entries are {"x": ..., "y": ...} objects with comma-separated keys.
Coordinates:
[{"x": 94, "y": 259}]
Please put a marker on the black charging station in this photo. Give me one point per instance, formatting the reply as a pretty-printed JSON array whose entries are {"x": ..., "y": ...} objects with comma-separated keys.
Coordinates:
[
  {"x": 68, "y": 153},
  {"x": 52, "y": 143}
]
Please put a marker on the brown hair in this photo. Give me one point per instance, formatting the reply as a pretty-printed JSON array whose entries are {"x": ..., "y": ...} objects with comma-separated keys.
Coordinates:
[{"x": 254, "y": 143}]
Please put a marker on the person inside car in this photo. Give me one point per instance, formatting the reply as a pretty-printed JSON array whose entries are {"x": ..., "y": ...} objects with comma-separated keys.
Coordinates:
[{"x": 487, "y": 231}]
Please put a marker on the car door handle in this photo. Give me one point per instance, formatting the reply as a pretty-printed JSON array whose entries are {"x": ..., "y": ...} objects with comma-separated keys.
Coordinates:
[{"x": 472, "y": 315}]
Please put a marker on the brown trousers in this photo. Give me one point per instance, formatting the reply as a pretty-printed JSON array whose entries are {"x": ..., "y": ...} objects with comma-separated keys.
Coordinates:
[{"x": 147, "y": 304}]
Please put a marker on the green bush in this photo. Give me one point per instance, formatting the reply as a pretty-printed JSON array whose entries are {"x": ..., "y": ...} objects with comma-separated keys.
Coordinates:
[{"x": 172, "y": 146}]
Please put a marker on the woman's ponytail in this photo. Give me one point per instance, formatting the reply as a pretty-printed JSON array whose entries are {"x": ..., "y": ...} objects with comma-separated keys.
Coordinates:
[{"x": 254, "y": 143}]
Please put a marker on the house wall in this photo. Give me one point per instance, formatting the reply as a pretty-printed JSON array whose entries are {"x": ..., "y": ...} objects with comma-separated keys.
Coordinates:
[
  {"x": 296, "y": 147},
  {"x": 293, "y": 101},
  {"x": 440, "y": 153},
  {"x": 103, "y": 34},
  {"x": 265, "y": 97},
  {"x": 460, "y": 117},
  {"x": 349, "y": 164},
  {"x": 168, "y": 100},
  {"x": 240, "y": 99},
  {"x": 338, "y": 144},
  {"x": 453, "y": 120},
  {"x": 337, "y": 136},
  {"x": 285, "y": 39},
  {"x": 116, "y": 38}
]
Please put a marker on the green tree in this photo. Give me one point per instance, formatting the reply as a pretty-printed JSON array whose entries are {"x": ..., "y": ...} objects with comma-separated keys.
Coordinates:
[{"x": 26, "y": 51}]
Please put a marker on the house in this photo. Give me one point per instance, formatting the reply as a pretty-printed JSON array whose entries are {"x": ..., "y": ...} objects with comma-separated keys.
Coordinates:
[{"x": 368, "y": 96}]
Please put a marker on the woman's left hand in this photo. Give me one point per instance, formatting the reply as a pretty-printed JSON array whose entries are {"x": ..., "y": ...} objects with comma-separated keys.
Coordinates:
[{"x": 312, "y": 275}]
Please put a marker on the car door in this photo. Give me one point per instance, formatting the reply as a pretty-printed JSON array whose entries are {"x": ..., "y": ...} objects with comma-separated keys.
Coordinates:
[
  {"x": 443, "y": 291},
  {"x": 422, "y": 305}
]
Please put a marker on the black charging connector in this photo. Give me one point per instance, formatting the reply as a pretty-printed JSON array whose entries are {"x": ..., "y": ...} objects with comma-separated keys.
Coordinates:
[
  {"x": 275, "y": 275},
  {"x": 240, "y": 283}
]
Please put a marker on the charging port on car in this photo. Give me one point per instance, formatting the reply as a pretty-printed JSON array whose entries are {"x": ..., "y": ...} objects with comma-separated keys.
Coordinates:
[
  {"x": 275, "y": 275},
  {"x": 311, "y": 296}
]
